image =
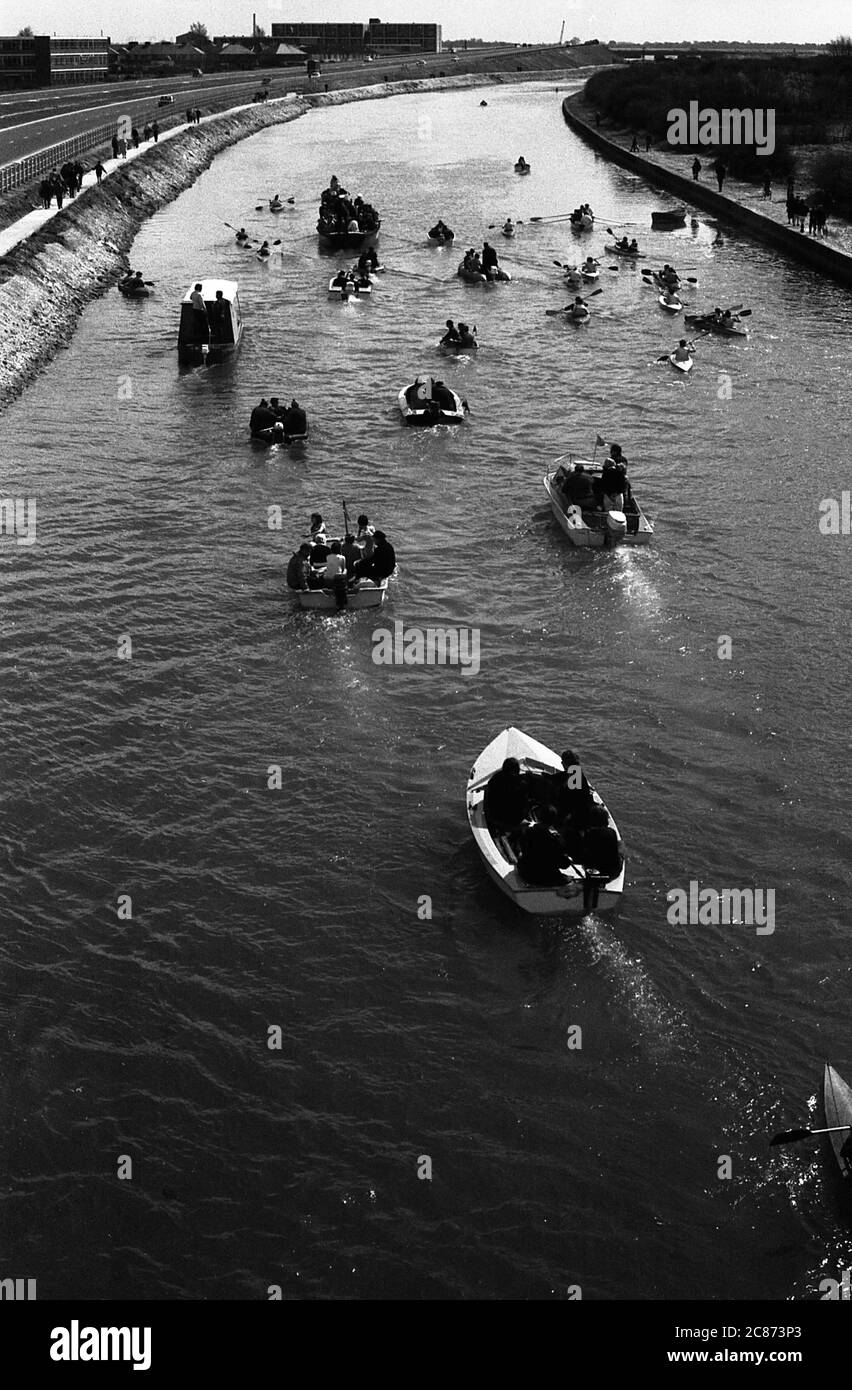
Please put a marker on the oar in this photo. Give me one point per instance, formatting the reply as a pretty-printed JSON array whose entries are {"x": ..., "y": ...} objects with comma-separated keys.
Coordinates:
[
  {"x": 553, "y": 313},
  {"x": 345, "y": 518},
  {"x": 792, "y": 1136}
]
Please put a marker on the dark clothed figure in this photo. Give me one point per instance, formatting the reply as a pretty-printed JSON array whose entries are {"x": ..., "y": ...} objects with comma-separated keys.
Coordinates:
[
  {"x": 220, "y": 319},
  {"x": 298, "y": 569},
  {"x": 262, "y": 418},
  {"x": 134, "y": 135},
  {"x": 578, "y": 488},
  {"x": 506, "y": 803},
  {"x": 696, "y": 168},
  {"x": 443, "y": 397},
  {"x": 99, "y": 171},
  {"x": 384, "y": 558},
  {"x": 320, "y": 550},
  {"x": 721, "y": 169},
  {"x": 295, "y": 420},
  {"x": 542, "y": 857},
  {"x": 45, "y": 192},
  {"x": 489, "y": 258},
  {"x": 155, "y": 131},
  {"x": 115, "y": 147}
]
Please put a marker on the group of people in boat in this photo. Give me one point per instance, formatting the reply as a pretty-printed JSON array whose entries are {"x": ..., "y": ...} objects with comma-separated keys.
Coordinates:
[
  {"x": 271, "y": 420},
  {"x": 631, "y": 247},
  {"x": 321, "y": 563},
  {"x": 441, "y": 232},
  {"x": 607, "y": 491},
  {"x": 350, "y": 281},
  {"x": 486, "y": 264},
  {"x": 459, "y": 335},
  {"x": 551, "y": 820},
  {"x": 133, "y": 283},
  {"x": 521, "y": 163},
  {"x": 426, "y": 393},
  {"x": 581, "y": 215},
  {"x": 339, "y": 213}
]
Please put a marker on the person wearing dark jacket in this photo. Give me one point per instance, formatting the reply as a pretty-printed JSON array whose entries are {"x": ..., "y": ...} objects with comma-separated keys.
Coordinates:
[
  {"x": 262, "y": 418},
  {"x": 295, "y": 420},
  {"x": 506, "y": 802},
  {"x": 384, "y": 558},
  {"x": 489, "y": 261},
  {"x": 543, "y": 855},
  {"x": 298, "y": 569},
  {"x": 115, "y": 147},
  {"x": 45, "y": 192}
]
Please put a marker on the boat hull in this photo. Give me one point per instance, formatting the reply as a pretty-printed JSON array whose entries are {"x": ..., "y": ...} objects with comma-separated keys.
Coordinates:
[
  {"x": 478, "y": 277},
  {"x": 346, "y": 241},
  {"x": 837, "y": 1104},
  {"x": 639, "y": 529},
  {"x": 709, "y": 325},
  {"x": 523, "y": 168},
  {"x": 430, "y": 415},
  {"x": 620, "y": 251},
  {"x": 369, "y": 595},
  {"x": 576, "y": 896},
  {"x": 683, "y": 368},
  {"x": 439, "y": 240},
  {"x": 669, "y": 308}
]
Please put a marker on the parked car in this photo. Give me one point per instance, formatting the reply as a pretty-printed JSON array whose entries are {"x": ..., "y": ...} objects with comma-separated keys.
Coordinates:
[{"x": 166, "y": 101}]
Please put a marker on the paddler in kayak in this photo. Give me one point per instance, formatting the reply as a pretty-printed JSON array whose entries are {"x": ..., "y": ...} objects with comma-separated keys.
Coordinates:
[
  {"x": 669, "y": 276},
  {"x": 242, "y": 235},
  {"x": 590, "y": 265},
  {"x": 508, "y": 227},
  {"x": 579, "y": 309},
  {"x": 683, "y": 351},
  {"x": 670, "y": 295}
]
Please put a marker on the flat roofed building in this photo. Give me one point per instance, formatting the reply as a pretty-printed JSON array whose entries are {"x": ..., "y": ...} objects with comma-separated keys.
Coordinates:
[
  {"x": 24, "y": 61},
  {"x": 78, "y": 60}
]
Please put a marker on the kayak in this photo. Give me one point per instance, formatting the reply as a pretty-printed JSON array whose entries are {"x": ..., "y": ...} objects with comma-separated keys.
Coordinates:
[
  {"x": 709, "y": 324},
  {"x": 621, "y": 251},
  {"x": 590, "y": 274},
  {"x": 568, "y": 313},
  {"x": 581, "y": 888},
  {"x": 349, "y": 291},
  {"x": 508, "y": 231},
  {"x": 837, "y": 1102},
  {"x": 670, "y": 308},
  {"x": 276, "y": 207},
  {"x": 683, "y": 367}
]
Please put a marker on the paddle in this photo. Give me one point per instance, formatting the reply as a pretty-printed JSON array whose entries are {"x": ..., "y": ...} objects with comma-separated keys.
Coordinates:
[
  {"x": 553, "y": 313},
  {"x": 792, "y": 1136},
  {"x": 689, "y": 279}
]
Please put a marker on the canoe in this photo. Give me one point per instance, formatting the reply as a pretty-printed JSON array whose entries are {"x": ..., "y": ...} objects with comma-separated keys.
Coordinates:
[
  {"x": 734, "y": 329},
  {"x": 429, "y": 413},
  {"x": 369, "y": 594},
  {"x": 581, "y": 890},
  {"x": 674, "y": 217},
  {"x": 620, "y": 250},
  {"x": 670, "y": 308},
  {"x": 837, "y": 1103},
  {"x": 683, "y": 367},
  {"x": 590, "y": 530},
  {"x": 523, "y": 168}
]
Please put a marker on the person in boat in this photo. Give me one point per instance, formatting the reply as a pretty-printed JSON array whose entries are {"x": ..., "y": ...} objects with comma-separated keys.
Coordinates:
[
  {"x": 451, "y": 336},
  {"x": 521, "y": 162},
  {"x": 366, "y": 262},
  {"x": 365, "y": 530},
  {"x": 299, "y": 568},
  {"x": 372, "y": 254},
  {"x": 264, "y": 250},
  {"x": 335, "y": 565},
  {"x": 543, "y": 856},
  {"x": 506, "y": 800},
  {"x": 439, "y": 231},
  {"x": 633, "y": 247},
  {"x": 489, "y": 261},
  {"x": 579, "y": 309},
  {"x": 577, "y": 488},
  {"x": 728, "y": 318},
  {"x": 352, "y": 226},
  {"x": 600, "y": 847},
  {"x": 200, "y": 317},
  {"x": 669, "y": 276},
  {"x": 341, "y": 279},
  {"x": 682, "y": 351},
  {"x": 276, "y": 201},
  {"x": 443, "y": 397},
  {"x": 670, "y": 294},
  {"x": 380, "y": 562},
  {"x": 566, "y": 793},
  {"x": 623, "y": 244},
  {"x": 616, "y": 488},
  {"x": 351, "y": 552},
  {"x": 262, "y": 418},
  {"x": 320, "y": 549},
  {"x": 242, "y": 234},
  {"x": 590, "y": 264},
  {"x": 509, "y": 226},
  {"x": 220, "y": 318},
  {"x": 294, "y": 420},
  {"x": 317, "y": 525},
  {"x": 466, "y": 337}
]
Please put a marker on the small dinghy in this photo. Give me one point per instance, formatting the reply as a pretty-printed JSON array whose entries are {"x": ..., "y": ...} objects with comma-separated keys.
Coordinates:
[
  {"x": 440, "y": 235},
  {"x": 350, "y": 290},
  {"x": 134, "y": 291},
  {"x": 683, "y": 366},
  {"x": 469, "y": 345},
  {"x": 675, "y": 217},
  {"x": 592, "y": 528},
  {"x": 670, "y": 307},
  {"x": 578, "y": 888},
  {"x": 479, "y": 277},
  {"x": 418, "y": 406}
]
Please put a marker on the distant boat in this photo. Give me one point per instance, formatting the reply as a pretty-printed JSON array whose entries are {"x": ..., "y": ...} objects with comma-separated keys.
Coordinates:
[
  {"x": 224, "y": 334},
  {"x": 674, "y": 217},
  {"x": 593, "y": 529}
]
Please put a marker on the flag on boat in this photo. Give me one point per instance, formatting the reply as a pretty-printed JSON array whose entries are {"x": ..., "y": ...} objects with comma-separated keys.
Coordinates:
[{"x": 600, "y": 442}]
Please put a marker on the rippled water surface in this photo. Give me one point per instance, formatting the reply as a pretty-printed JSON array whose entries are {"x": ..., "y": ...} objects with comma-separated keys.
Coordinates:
[{"x": 297, "y": 908}]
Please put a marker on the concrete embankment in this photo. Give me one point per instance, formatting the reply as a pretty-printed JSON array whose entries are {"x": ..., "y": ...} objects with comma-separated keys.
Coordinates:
[
  {"x": 814, "y": 253},
  {"x": 47, "y": 280}
]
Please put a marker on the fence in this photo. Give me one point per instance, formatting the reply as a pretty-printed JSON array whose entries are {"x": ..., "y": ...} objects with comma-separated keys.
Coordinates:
[{"x": 33, "y": 165}]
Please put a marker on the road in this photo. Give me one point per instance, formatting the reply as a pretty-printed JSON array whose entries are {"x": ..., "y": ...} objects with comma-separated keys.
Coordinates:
[{"x": 32, "y": 120}]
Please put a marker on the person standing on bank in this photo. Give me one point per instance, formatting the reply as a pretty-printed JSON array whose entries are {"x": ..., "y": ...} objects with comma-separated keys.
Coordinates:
[
  {"x": 721, "y": 170},
  {"x": 696, "y": 168}
]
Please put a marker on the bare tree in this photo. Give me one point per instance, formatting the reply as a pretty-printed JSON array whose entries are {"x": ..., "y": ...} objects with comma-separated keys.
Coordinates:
[
  {"x": 25, "y": 33},
  {"x": 199, "y": 30}
]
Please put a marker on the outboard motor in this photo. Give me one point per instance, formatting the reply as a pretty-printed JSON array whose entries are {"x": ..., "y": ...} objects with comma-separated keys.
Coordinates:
[{"x": 616, "y": 527}]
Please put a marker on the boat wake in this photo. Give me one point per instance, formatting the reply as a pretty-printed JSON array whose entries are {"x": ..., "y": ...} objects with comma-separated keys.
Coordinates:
[{"x": 664, "y": 1029}]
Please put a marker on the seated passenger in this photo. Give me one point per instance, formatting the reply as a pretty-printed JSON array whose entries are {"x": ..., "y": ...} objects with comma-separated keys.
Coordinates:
[
  {"x": 341, "y": 279},
  {"x": 295, "y": 420},
  {"x": 443, "y": 397},
  {"x": 384, "y": 558},
  {"x": 506, "y": 803},
  {"x": 275, "y": 407},
  {"x": 601, "y": 849},
  {"x": 452, "y": 334},
  {"x": 320, "y": 549},
  {"x": 335, "y": 565},
  {"x": 634, "y": 245},
  {"x": 262, "y": 418},
  {"x": 365, "y": 530},
  {"x": 681, "y": 352},
  {"x": 543, "y": 856},
  {"x": 317, "y": 525},
  {"x": 352, "y": 225},
  {"x": 466, "y": 337},
  {"x": 299, "y": 567},
  {"x": 351, "y": 553},
  {"x": 578, "y": 489}
]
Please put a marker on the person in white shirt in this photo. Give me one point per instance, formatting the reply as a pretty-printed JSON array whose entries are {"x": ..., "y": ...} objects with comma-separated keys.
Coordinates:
[{"x": 202, "y": 321}]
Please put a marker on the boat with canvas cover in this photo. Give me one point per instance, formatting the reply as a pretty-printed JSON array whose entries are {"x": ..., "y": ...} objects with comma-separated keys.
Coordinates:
[{"x": 582, "y": 887}]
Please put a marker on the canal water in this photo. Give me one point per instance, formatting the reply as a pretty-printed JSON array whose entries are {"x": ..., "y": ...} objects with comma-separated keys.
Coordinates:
[{"x": 166, "y": 911}]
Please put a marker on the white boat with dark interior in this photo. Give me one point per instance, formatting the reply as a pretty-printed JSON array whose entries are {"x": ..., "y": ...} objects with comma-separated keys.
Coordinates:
[{"x": 574, "y": 486}]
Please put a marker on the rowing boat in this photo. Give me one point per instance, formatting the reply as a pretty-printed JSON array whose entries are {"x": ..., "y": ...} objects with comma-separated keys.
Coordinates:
[
  {"x": 581, "y": 888},
  {"x": 734, "y": 329},
  {"x": 349, "y": 290},
  {"x": 680, "y": 366},
  {"x": 427, "y": 412},
  {"x": 594, "y": 529},
  {"x": 581, "y": 224},
  {"x": 478, "y": 277},
  {"x": 670, "y": 308},
  {"x": 674, "y": 217},
  {"x": 837, "y": 1102},
  {"x": 443, "y": 240}
]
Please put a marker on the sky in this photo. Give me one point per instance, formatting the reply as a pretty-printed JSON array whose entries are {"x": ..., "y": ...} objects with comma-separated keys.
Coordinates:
[{"x": 539, "y": 21}]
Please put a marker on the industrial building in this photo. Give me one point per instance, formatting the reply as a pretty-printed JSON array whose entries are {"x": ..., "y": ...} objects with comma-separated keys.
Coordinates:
[
  {"x": 357, "y": 40},
  {"x": 36, "y": 60}
]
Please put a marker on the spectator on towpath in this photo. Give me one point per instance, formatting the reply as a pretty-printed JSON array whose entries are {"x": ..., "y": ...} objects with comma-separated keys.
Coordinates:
[
  {"x": 189, "y": 115},
  {"x": 155, "y": 131},
  {"x": 115, "y": 147},
  {"x": 79, "y": 171},
  {"x": 197, "y": 114},
  {"x": 634, "y": 148},
  {"x": 647, "y": 143},
  {"x": 45, "y": 192},
  {"x": 58, "y": 188},
  {"x": 767, "y": 187},
  {"x": 99, "y": 171},
  {"x": 721, "y": 170},
  {"x": 696, "y": 168},
  {"x": 134, "y": 135},
  {"x": 122, "y": 147},
  {"x": 146, "y": 134}
]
